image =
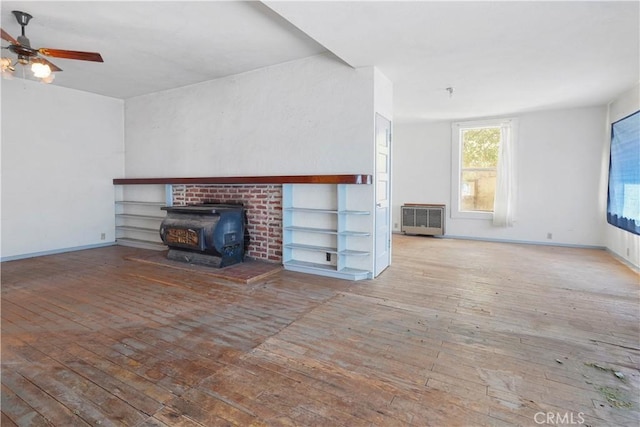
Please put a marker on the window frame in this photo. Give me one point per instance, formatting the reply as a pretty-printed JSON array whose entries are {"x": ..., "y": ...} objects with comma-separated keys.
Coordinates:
[{"x": 456, "y": 164}]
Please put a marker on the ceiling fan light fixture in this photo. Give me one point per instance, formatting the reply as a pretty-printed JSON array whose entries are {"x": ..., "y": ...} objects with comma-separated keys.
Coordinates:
[
  {"x": 5, "y": 63},
  {"x": 7, "y": 68},
  {"x": 40, "y": 70}
]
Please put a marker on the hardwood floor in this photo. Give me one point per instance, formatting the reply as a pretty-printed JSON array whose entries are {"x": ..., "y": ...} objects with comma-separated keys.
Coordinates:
[{"x": 453, "y": 333}]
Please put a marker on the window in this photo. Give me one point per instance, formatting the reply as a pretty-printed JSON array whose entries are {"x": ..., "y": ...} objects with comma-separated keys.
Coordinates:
[
  {"x": 623, "y": 201},
  {"x": 482, "y": 170},
  {"x": 478, "y": 168}
]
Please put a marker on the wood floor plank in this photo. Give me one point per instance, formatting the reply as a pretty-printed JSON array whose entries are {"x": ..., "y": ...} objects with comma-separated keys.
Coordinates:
[
  {"x": 83, "y": 396},
  {"x": 174, "y": 417},
  {"x": 208, "y": 410},
  {"x": 150, "y": 390},
  {"x": 122, "y": 390},
  {"x": 46, "y": 405},
  {"x": 6, "y": 421},
  {"x": 17, "y": 411},
  {"x": 54, "y": 411}
]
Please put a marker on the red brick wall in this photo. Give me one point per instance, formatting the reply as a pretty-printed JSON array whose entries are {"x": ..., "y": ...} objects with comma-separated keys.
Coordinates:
[{"x": 263, "y": 203}]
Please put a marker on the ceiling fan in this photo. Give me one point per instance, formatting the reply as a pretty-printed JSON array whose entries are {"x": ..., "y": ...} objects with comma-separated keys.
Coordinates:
[{"x": 41, "y": 67}]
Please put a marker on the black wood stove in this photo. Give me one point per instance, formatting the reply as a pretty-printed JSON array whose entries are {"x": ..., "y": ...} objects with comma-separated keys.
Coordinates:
[{"x": 206, "y": 234}]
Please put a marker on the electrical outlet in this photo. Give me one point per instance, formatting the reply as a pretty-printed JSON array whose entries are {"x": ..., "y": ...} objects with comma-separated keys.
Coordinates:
[
  {"x": 549, "y": 236},
  {"x": 103, "y": 236},
  {"x": 628, "y": 252},
  {"x": 328, "y": 257},
  {"x": 395, "y": 225}
]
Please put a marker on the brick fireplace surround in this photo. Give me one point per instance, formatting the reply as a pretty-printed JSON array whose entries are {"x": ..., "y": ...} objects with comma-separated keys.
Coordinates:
[{"x": 262, "y": 202}]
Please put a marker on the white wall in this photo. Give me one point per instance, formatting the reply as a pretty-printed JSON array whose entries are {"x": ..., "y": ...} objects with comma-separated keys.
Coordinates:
[
  {"x": 311, "y": 116},
  {"x": 559, "y": 160},
  {"x": 624, "y": 244},
  {"x": 383, "y": 95},
  {"x": 61, "y": 148}
]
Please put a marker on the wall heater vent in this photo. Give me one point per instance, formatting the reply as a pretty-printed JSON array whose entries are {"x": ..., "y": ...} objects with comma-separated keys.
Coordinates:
[{"x": 423, "y": 219}]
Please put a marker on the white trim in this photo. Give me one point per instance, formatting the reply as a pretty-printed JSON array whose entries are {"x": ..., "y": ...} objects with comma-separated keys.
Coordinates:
[
  {"x": 624, "y": 261},
  {"x": 523, "y": 242},
  {"x": 168, "y": 194},
  {"x": 516, "y": 242},
  {"x": 56, "y": 251},
  {"x": 458, "y": 214},
  {"x": 486, "y": 123}
]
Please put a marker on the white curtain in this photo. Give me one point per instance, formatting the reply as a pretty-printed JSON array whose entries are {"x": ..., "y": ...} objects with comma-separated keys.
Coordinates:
[{"x": 505, "y": 197}]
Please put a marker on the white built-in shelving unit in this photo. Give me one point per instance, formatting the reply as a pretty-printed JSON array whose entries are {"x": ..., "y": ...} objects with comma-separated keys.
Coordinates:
[
  {"x": 325, "y": 232},
  {"x": 139, "y": 214}
]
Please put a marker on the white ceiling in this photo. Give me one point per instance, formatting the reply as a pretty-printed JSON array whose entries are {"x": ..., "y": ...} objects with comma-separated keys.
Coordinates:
[{"x": 501, "y": 57}]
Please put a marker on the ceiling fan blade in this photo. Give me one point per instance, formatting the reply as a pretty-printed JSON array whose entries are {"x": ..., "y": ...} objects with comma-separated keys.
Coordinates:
[
  {"x": 51, "y": 65},
  {"x": 6, "y": 36},
  {"x": 71, "y": 54}
]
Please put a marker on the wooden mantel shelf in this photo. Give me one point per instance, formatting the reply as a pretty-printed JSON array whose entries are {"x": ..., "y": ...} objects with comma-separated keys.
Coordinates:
[{"x": 278, "y": 179}]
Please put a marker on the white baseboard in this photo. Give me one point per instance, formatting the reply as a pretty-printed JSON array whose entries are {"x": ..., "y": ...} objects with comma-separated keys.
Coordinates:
[
  {"x": 521, "y": 242},
  {"x": 624, "y": 261},
  {"x": 55, "y": 251}
]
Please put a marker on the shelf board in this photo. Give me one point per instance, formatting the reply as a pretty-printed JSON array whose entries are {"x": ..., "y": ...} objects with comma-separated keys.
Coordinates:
[
  {"x": 312, "y": 230},
  {"x": 354, "y": 233},
  {"x": 328, "y": 249},
  {"x": 131, "y": 202},
  {"x": 327, "y": 270},
  {"x": 138, "y": 243},
  {"x": 136, "y": 216},
  {"x": 311, "y": 248},
  {"x": 142, "y": 229},
  {"x": 327, "y": 211},
  {"x": 276, "y": 179},
  {"x": 348, "y": 252},
  {"x": 327, "y": 231},
  {"x": 312, "y": 210},
  {"x": 313, "y": 265},
  {"x": 354, "y": 212}
]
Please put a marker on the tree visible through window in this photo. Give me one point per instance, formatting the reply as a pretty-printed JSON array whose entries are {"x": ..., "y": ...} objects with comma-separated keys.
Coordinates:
[{"x": 478, "y": 169}]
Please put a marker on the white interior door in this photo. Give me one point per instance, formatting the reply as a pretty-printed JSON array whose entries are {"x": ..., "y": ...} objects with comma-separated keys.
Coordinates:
[{"x": 383, "y": 195}]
